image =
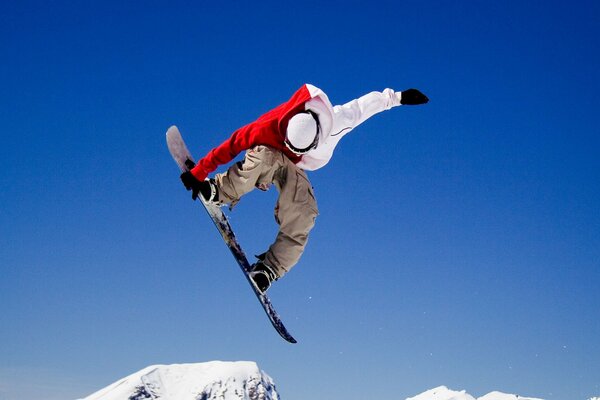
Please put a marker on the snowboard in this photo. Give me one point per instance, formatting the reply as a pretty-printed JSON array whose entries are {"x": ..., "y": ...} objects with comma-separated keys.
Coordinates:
[{"x": 184, "y": 160}]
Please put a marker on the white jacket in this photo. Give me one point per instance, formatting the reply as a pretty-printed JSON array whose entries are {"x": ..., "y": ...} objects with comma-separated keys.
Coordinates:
[{"x": 337, "y": 121}]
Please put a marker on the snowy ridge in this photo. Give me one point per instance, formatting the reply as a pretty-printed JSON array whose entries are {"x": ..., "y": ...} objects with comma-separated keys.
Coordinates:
[
  {"x": 216, "y": 380},
  {"x": 241, "y": 380},
  {"x": 504, "y": 396},
  {"x": 443, "y": 393}
]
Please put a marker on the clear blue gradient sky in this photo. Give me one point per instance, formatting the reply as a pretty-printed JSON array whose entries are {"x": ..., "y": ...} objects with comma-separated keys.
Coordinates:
[{"x": 458, "y": 242}]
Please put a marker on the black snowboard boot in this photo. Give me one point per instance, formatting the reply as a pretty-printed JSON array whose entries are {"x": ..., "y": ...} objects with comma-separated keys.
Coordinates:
[
  {"x": 262, "y": 275},
  {"x": 209, "y": 191},
  {"x": 206, "y": 188}
]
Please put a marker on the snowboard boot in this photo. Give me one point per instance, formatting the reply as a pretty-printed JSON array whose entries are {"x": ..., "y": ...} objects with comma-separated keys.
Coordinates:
[
  {"x": 209, "y": 191},
  {"x": 262, "y": 275}
]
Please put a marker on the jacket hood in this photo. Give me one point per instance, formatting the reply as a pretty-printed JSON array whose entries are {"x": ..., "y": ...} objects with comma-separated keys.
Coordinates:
[{"x": 318, "y": 103}]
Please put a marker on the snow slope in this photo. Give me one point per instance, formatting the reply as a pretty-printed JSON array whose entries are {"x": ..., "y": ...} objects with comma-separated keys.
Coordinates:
[{"x": 214, "y": 380}]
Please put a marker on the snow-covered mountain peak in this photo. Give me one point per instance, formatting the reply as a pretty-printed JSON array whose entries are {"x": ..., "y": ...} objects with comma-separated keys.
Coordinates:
[
  {"x": 443, "y": 393},
  {"x": 241, "y": 380}
]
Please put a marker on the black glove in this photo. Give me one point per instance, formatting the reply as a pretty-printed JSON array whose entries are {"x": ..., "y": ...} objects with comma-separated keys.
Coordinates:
[
  {"x": 189, "y": 163},
  {"x": 191, "y": 183},
  {"x": 412, "y": 97}
]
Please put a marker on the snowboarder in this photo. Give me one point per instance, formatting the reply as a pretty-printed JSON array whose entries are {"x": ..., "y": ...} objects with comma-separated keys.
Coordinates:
[{"x": 300, "y": 134}]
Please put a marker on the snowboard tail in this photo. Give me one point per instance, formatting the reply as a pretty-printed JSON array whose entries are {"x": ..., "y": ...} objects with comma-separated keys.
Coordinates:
[{"x": 184, "y": 160}]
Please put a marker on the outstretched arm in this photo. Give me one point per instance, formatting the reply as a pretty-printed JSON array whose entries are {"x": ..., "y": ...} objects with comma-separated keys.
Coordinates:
[
  {"x": 355, "y": 112},
  {"x": 239, "y": 141}
]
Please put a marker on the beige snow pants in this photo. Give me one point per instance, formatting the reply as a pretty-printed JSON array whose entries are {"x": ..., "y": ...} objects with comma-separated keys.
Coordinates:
[{"x": 296, "y": 208}]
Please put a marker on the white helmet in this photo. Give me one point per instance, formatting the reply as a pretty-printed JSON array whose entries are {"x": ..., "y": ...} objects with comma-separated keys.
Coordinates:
[{"x": 302, "y": 132}]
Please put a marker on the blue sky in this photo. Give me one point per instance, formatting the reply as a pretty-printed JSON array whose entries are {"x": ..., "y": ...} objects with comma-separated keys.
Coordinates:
[{"x": 458, "y": 242}]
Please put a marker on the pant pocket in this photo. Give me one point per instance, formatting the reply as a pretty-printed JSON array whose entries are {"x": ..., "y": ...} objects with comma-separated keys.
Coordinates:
[{"x": 304, "y": 193}]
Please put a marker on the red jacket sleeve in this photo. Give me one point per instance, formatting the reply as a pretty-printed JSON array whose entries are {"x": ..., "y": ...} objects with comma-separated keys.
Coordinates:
[{"x": 239, "y": 141}]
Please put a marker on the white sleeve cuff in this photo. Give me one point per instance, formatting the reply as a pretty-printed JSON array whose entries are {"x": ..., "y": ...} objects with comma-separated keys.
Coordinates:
[{"x": 398, "y": 96}]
